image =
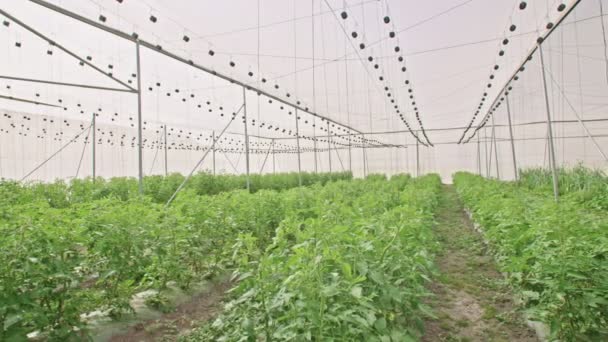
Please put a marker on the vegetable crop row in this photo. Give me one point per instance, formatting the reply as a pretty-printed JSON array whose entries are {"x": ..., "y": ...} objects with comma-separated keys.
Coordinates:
[
  {"x": 555, "y": 254},
  {"x": 351, "y": 267},
  {"x": 61, "y": 194},
  {"x": 583, "y": 185},
  {"x": 57, "y": 262}
]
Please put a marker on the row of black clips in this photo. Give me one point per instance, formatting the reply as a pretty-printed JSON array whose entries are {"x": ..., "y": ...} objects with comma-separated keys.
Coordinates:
[{"x": 512, "y": 28}]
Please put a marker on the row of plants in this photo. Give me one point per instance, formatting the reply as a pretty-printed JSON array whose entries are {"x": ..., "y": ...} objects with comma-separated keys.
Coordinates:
[
  {"x": 350, "y": 265},
  {"x": 584, "y": 185},
  {"x": 61, "y": 194},
  {"x": 555, "y": 254},
  {"x": 58, "y": 262}
]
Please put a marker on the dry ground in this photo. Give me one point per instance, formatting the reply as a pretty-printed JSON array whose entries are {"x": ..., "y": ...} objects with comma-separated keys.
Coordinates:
[{"x": 472, "y": 301}]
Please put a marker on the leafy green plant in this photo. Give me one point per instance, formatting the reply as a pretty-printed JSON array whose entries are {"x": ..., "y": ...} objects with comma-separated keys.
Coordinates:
[
  {"x": 352, "y": 267},
  {"x": 554, "y": 253},
  {"x": 72, "y": 248}
]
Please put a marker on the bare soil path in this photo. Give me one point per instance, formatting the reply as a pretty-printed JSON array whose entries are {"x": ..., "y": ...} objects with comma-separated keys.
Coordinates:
[
  {"x": 472, "y": 301},
  {"x": 200, "y": 308}
]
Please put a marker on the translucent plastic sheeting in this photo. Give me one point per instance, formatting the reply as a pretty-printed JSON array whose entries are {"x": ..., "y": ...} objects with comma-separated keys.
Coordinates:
[{"x": 384, "y": 59}]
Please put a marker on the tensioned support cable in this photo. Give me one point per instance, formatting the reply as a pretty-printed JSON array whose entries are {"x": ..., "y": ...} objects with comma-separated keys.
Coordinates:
[
  {"x": 56, "y": 153},
  {"x": 179, "y": 188}
]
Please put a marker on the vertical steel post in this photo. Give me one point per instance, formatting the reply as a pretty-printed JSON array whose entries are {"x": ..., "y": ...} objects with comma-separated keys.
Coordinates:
[
  {"x": 549, "y": 128},
  {"x": 274, "y": 170},
  {"x": 485, "y": 151},
  {"x": 350, "y": 156},
  {"x": 417, "y": 158},
  {"x": 298, "y": 147},
  {"x": 478, "y": 155},
  {"x": 329, "y": 146},
  {"x": 213, "y": 146},
  {"x": 93, "y": 146},
  {"x": 314, "y": 146},
  {"x": 166, "y": 151},
  {"x": 407, "y": 157},
  {"x": 246, "y": 139},
  {"x": 364, "y": 160},
  {"x": 495, "y": 147},
  {"x": 515, "y": 172},
  {"x": 140, "y": 147}
]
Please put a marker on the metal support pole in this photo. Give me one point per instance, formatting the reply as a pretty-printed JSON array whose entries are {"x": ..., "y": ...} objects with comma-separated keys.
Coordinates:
[
  {"x": 274, "y": 170},
  {"x": 213, "y": 146},
  {"x": 485, "y": 151},
  {"x": 364, "y": 159},
  {"x": 329, "y": 146},
  {"x": 246, "y": 139},
  {"x": 478, "y": 156},
  {"x": 495, "y": 148},
  {"x": 407, "y": 157},
  {"x": 298, "y": 147},
  {"x": 549, "y": 128},
  {"x": 491, "y": 154},
  {"x": 417, "y": 158},
  {"x": 314, "y": 147},
  {"x": 166, "y": 153},
  {"x": 350, "y": 157},
  {"x": 140, "y": 149},
  {"x": 93, "y": 143},
  {"x": 515, "y": 172}
]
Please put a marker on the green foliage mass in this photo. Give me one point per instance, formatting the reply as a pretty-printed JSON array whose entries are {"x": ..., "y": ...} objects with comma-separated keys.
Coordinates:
[
  {"x": 351, "y": 265},
  {"x": 555, "y": 254},
  {"x": 586, "y": 186},
  {"x": 71, "y": 248}
]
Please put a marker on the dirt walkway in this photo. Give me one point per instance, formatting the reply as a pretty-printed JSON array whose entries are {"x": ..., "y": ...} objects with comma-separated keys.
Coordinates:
[
  {"x": 170, "y": 326},
  {"x": 471, "y": 301}
]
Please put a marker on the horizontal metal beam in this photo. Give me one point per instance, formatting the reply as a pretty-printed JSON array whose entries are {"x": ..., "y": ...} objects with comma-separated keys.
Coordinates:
[
  {"x": 62, "y": 48},
  {"x": 12, "y": 98},
  {"x": 65, "y": 84},
  {"x": 459, "y": 128},
  {"x": 176, "y": 57}
]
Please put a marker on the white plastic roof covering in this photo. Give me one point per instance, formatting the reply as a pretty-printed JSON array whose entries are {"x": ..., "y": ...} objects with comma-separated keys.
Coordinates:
[{"x": 305, "y": 48}]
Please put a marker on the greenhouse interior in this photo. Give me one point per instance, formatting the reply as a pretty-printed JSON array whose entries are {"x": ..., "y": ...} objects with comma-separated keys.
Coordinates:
[{"x": 310, "y": 170}]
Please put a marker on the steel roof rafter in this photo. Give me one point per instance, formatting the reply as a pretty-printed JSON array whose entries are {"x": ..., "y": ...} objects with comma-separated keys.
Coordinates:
[
  {"x": 66, "y": 50},
  {"x": 144, "y": 43}
]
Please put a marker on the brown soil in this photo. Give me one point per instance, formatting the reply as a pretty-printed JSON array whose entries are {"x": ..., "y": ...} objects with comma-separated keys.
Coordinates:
[
  {"x": 472, "y": 301},
  {"x": 186, "y": 316}
]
